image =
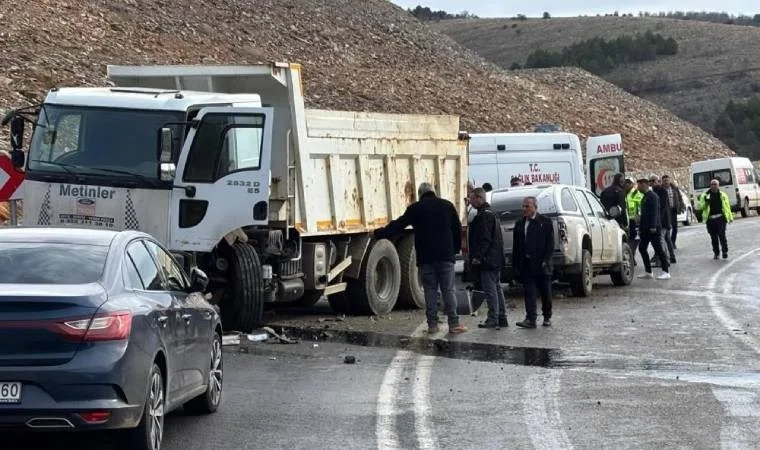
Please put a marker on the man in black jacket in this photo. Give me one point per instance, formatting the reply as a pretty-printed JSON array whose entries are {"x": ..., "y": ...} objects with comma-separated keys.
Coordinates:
[
  {"x": 614, "y": 195},
  {"x": 650, "y": 231},
  {"x": 437, "y": 240},
  {"x": 675, "y": 203},
  {"x": 532, "y": 249},
  {"x": 486, "y": 252},
  {"x": 665, "y": 218}
]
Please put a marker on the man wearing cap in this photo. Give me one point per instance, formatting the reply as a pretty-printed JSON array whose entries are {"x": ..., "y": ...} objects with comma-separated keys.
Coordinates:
[{"x": 716, "y": 209}]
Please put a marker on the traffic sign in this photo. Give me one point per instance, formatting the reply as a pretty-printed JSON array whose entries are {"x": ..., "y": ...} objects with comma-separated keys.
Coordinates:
[{"x": 11, "y": 179}]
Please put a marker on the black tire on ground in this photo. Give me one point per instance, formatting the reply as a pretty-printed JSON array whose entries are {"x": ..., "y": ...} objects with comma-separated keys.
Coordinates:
[
  {"x": 243, "y": 302},
  {"x": 745, "y": 208},
  {"x": 411, "y": 295},
  {"x": 208, "y": 402},
  {"x": 376, "y": 290},
  {"x": 624, "y": 276},
  {"x": 581, "y": 284},
  {"x": 150, "y": 432}
]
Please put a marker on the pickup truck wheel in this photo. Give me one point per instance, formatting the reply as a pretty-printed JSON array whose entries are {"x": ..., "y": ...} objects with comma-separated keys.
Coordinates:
[
  {"x": 242, "y": 304},
  {"x": 376, "y": 290},
  {"x": 624, "y": 275},
  {"x": 581, "y": 284},
  {"x": 411, "y": 294}
]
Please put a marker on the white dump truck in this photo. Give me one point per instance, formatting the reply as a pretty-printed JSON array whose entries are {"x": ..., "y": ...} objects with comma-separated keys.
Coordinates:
[{"x": 227, "y": 167}]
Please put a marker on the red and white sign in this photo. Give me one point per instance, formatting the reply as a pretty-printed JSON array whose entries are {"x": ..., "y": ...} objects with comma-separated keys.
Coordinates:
[{"x": 11, "y": 179}]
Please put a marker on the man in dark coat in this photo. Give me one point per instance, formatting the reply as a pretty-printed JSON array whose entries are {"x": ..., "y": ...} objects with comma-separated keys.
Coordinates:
[
  {"x": 532, "y": 249},
  {"x": 614, "y": 195},
  {"x": 486, "y": 253},
  {"x": 650, "y": 231},
  {"x": 675, "y": 203},
  {"x": 665, "y": 218},
  {"x": 437, "y": 240}
]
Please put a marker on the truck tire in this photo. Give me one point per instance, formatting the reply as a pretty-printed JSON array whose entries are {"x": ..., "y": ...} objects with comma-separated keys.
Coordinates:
[
  {"x": 376, "y": 290},
  {"x": 243, "y": 303},
  {"x": 624, "y": 275},
  {"x": 411, "y": 295},
  {"x": 581, "y": 284}
]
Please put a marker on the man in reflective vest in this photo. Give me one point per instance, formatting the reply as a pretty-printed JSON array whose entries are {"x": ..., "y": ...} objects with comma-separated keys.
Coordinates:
[
  {"x": 633, "y": 203},
  {"x": 716, "y": 210}
]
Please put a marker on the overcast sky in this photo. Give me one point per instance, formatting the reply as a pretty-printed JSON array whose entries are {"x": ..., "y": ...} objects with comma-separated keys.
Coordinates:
[{"x": 558, "y": 8}]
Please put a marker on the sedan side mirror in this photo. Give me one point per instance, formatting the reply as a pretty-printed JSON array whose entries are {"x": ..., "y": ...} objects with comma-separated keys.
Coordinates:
[
  {"x": 198, "y": 280},
  {"x": 614, "y": 212}
]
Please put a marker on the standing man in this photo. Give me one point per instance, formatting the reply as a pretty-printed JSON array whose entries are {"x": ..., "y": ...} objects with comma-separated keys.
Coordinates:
[
  {"x": 614, "y": 195},
  {"x": 633, "y": 203},
  {"x": 650, "y": 231},
  {"x": 716, "y": 210},
  {"x": 675, "y": 203},
  {"x": 486, "y": 252},
  {"x": 532, "y": 248},
  {"x": 665, "y": 219},
  {"x": 437, "y": 240}
]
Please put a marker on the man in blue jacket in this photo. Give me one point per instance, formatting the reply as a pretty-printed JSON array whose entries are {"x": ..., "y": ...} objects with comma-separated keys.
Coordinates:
[{"x": 650, "y": 229}]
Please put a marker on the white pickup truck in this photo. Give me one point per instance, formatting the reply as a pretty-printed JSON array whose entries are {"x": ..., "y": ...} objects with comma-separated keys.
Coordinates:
[{"x": 227, "y": 168}]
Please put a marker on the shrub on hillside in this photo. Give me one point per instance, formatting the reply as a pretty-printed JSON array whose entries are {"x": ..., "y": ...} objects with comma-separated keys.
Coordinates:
[
  {"x": 738, "y": 126},
  {"x": 600, "y": 56}
]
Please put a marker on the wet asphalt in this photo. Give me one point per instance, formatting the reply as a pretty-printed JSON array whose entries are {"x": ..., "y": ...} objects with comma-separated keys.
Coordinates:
[{"x": 658, "y": 364}]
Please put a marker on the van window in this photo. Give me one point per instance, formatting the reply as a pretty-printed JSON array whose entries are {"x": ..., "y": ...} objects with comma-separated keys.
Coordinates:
[
  {"x": 568, "y": 202},
  {"x": 744, "y": 176},
  {"x": 702, "y": 179}
]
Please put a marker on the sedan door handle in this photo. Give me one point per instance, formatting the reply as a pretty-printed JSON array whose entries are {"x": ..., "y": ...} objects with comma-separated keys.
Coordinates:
[{"x": 162, "y": 320}]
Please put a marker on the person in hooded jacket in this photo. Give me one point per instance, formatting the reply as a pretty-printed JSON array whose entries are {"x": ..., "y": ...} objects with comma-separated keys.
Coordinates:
[
  {"x": 615, "y": 195},
  {"x": 486, "y": 252}
]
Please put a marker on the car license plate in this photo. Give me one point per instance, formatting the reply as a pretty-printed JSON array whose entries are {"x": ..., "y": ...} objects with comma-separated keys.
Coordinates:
[{"x": 10, "y": 392}]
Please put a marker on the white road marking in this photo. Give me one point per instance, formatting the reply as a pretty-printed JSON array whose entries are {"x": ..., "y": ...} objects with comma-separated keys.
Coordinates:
[
  {"x": 679, "y": 292},
  {"x": 541, "y": 410},
  {"x": 422, "y": 426},
  {"x": 714, "y": 301},
  {"x": 742, "y": 414},
  {"x": 390, "y": 395}
]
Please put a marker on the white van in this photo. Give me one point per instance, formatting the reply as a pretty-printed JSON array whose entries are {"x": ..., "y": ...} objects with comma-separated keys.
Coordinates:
[
  {"x": 531, "y": 157},
  {"x": 738, "y": 179},
  {"x": 553, "y": 157}
]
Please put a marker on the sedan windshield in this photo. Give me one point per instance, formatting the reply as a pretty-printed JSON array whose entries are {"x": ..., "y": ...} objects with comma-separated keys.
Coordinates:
[
  {"x": 50, "y": 263},
  {"x": 99, "y": 141}
]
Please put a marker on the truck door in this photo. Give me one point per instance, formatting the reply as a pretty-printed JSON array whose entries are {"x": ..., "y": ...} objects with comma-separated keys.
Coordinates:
[
  {"x": 594, "y": 226},
  {"x": 222, "y": 177}
]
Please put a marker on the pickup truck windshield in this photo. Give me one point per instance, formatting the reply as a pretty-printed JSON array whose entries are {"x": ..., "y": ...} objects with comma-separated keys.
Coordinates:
[{"x": 90, "y": 141}]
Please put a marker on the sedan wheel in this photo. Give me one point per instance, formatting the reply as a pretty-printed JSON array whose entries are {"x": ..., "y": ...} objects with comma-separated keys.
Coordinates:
[
  {"x": 150, "y": 432},
  {"x": 208, "y": 402}
]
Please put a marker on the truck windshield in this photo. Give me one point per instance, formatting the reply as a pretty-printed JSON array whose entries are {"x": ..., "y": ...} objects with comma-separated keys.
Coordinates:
[
  {"x": 106, "y": 142},
  {"x": 702, "y": 179}
]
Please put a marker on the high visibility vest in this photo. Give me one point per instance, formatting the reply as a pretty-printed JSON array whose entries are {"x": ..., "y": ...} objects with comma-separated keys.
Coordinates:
[{"x": 633, "y": 202}]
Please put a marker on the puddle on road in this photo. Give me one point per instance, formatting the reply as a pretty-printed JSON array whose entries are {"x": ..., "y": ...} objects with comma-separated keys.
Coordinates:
[{"x": 528, "y": 356}]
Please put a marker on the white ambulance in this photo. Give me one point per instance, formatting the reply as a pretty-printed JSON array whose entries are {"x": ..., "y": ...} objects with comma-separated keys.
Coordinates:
[{"x": 553, "y": 157}]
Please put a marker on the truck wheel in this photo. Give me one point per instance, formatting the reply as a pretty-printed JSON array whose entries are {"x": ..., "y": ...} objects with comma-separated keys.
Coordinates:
[
  {"x": 581, "y": 284},
  {"x": 411, "y": 294},
  {"x": 376, "y": 290},
  {"x": 243, "y": 301},
  {"x": 624, "y": 275}
]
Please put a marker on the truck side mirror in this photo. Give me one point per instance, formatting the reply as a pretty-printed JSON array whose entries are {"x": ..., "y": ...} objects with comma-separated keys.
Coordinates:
[
  {"x": 17, "y": 141},
  {"x": 165, "y": 145}
]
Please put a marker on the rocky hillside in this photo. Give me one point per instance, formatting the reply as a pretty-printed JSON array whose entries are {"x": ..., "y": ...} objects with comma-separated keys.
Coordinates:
[
  {"x": 368, "y": 55},
  {"x": 715, "y": 62}
]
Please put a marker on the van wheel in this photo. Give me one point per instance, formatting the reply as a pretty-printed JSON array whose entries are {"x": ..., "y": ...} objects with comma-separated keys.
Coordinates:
[
  {"x": 376, "y": 290},
  {"x": 745, "y": 208},
  {"x": 624, "y": 275},
  {"x": 581, "y": 284},
  {"x": 411, "y": 294}
]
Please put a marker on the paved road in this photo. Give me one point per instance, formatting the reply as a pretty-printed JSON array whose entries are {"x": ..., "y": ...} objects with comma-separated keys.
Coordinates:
[{"x": 657, "y": 364}]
